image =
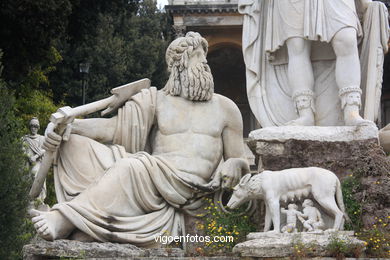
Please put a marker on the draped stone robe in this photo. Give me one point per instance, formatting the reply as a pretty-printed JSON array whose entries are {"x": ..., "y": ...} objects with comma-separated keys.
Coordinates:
[
  {"x": 316, "y": 20},
  {"x": 120, "y": 193},
  {"x": 33, "y": 147},
  {"x": 269, "y": 23}
]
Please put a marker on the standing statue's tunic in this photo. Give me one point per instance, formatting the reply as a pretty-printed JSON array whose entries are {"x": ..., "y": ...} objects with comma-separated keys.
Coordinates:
[
  {"x": 116, "y": 193},
  {"x": 269, "y": 23},
  {"x": 316, "y": 20},
  {"x": 33, "y": 147}
]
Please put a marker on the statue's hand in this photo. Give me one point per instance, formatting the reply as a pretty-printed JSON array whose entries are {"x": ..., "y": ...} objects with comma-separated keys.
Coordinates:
[
  {"x": 35, "y": 157},
  {"x": 231, "y": 172},
  {"x": 52, "y": 139}
]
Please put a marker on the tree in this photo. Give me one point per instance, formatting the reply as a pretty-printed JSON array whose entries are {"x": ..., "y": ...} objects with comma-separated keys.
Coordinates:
[
  {"x": 123, "y": 41},
  {"x": 28, "y": 29},
  {"x": 14, "y": 179}
]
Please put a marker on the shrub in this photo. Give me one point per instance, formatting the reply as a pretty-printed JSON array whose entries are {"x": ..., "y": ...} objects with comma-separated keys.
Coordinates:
[{"x": 14, "y": 181}]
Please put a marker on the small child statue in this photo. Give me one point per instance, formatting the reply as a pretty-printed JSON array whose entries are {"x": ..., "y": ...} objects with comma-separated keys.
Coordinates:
[
  {"x": 292, "y": 214},
  {"x": 311, "y": 217}
]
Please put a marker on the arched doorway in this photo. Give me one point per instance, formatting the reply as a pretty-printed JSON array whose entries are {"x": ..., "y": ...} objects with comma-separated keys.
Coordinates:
[{"x": 228, "y": 69}]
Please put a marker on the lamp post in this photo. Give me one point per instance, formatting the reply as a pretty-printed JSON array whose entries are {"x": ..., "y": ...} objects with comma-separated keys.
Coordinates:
[{"x": 84, "y": 70}]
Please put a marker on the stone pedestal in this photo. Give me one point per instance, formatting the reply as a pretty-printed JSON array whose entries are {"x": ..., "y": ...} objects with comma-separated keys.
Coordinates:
[
  {"x": 289, "y": 245},
  {"x": 341, "y": 149},
  {"x": 41, "y": 250}
]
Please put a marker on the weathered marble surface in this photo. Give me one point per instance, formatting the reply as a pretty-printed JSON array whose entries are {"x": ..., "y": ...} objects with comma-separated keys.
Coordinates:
[
  {"x": 41, "y": 249},
  {"x": 282, "y": 245},
  {"x": 170, "y": 148},
  {"x": 342, "y": 150},
  {"x": 303, "y": 64},
  {"x": 33, "y": 149},
  {"x": 294, "y": 184},
  {"x": 315, "y": 133}
]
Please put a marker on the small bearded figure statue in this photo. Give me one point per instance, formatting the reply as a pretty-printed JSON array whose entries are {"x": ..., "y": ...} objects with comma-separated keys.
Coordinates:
[{"x": 131, "y": 177}]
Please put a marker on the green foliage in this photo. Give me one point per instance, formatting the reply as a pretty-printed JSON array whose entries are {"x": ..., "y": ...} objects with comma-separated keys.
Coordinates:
[
  {"x": 123, "y": 42},
  {"x": 302, "y": 250},
  {"x": 236, "y": 224},
  {"x": 377, "y": 235},
  {"x": 51, "y": 198},
  {"x": 28, "y": 29},
  {"x": 377, "y": 238},
  {"x": 32, "y": 102},
  {"x": 337, "y": 247},
  {"x": 14, "y": 181},
  {"x": 350, "y": 185},
  {"x": 340, "y": 248},
  {"x": 43, "y": 44}
]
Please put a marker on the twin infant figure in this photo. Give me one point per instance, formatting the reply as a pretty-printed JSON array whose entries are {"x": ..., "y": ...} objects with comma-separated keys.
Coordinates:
[{"x": 310, "y": 218}]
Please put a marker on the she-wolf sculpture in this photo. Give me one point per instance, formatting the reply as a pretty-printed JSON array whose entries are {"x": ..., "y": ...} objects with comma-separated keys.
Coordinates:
[{"x": 273, "y": 186}]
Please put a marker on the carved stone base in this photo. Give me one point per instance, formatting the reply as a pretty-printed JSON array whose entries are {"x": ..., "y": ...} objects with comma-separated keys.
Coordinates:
[
  {"x": 288, "y": 245},
  {"x": 342, "y": 149},
  {"x": 41, "y": 249}
]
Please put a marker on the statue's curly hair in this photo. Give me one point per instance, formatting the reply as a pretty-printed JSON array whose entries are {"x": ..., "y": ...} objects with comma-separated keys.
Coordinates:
[
  {"x": 177, "y": 57},
  {"x": 179, "y": 51}
]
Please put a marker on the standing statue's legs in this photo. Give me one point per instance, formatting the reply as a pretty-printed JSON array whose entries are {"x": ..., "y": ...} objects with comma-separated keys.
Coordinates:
[
  {"x": 301, "y": 80},
  {"x": 348, "y": 75}
]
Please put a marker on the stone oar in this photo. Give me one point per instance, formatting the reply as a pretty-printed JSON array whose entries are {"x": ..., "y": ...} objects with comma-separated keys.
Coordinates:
[{"x": 65, "y": 115}]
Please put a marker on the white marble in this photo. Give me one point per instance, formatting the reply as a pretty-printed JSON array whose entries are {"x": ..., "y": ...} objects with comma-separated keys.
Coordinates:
[
  {"x": 316, "y": 133},
  {"x": 314, "y": 62},
  {"x": 292, "y": 215},
  {"x": 311, "y": 217},
  {"x": 290, "y": 185},
  {"x": 166, "y": 147},
  {"x": 33, "y": 148}
]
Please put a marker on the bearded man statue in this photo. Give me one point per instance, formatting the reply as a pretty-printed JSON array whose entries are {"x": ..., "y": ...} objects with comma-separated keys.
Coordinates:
[{"x": 131, "y": 177}]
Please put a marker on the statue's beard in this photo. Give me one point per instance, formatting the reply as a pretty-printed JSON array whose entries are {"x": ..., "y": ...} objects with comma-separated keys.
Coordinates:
[{"x": 196, "y": 83}]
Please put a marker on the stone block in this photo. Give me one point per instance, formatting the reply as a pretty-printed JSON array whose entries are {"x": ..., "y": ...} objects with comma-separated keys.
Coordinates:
[
  {"x": 282, "y": 245},
  {"x": 316, "y": 133},
  {"x": 341, "y": 149},
  {"x": 40, "y": 249}
]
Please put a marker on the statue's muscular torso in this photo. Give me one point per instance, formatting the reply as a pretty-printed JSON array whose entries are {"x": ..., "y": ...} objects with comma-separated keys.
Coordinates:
[{"x": 189, "y": 133}]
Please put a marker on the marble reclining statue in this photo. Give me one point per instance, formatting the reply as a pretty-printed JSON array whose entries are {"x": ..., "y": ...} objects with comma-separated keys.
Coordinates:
[{"x": 131, "y": 177}]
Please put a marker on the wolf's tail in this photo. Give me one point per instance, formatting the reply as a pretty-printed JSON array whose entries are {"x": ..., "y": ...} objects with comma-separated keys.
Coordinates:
[{"x": 339, "y": 199}]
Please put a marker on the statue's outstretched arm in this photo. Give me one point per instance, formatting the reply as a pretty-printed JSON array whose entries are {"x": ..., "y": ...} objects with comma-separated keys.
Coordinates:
[{"x": 99, "y": 129}]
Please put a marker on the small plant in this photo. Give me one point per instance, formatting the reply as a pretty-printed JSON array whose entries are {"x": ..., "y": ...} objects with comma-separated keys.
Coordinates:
[
  {"x": 235, "y": 225},
  {"x": 340, "y": 248},
  {"x": 377, "y": 238},
  {"x": 302, "y": 250},
  {"x": 350, "y": 186}
]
